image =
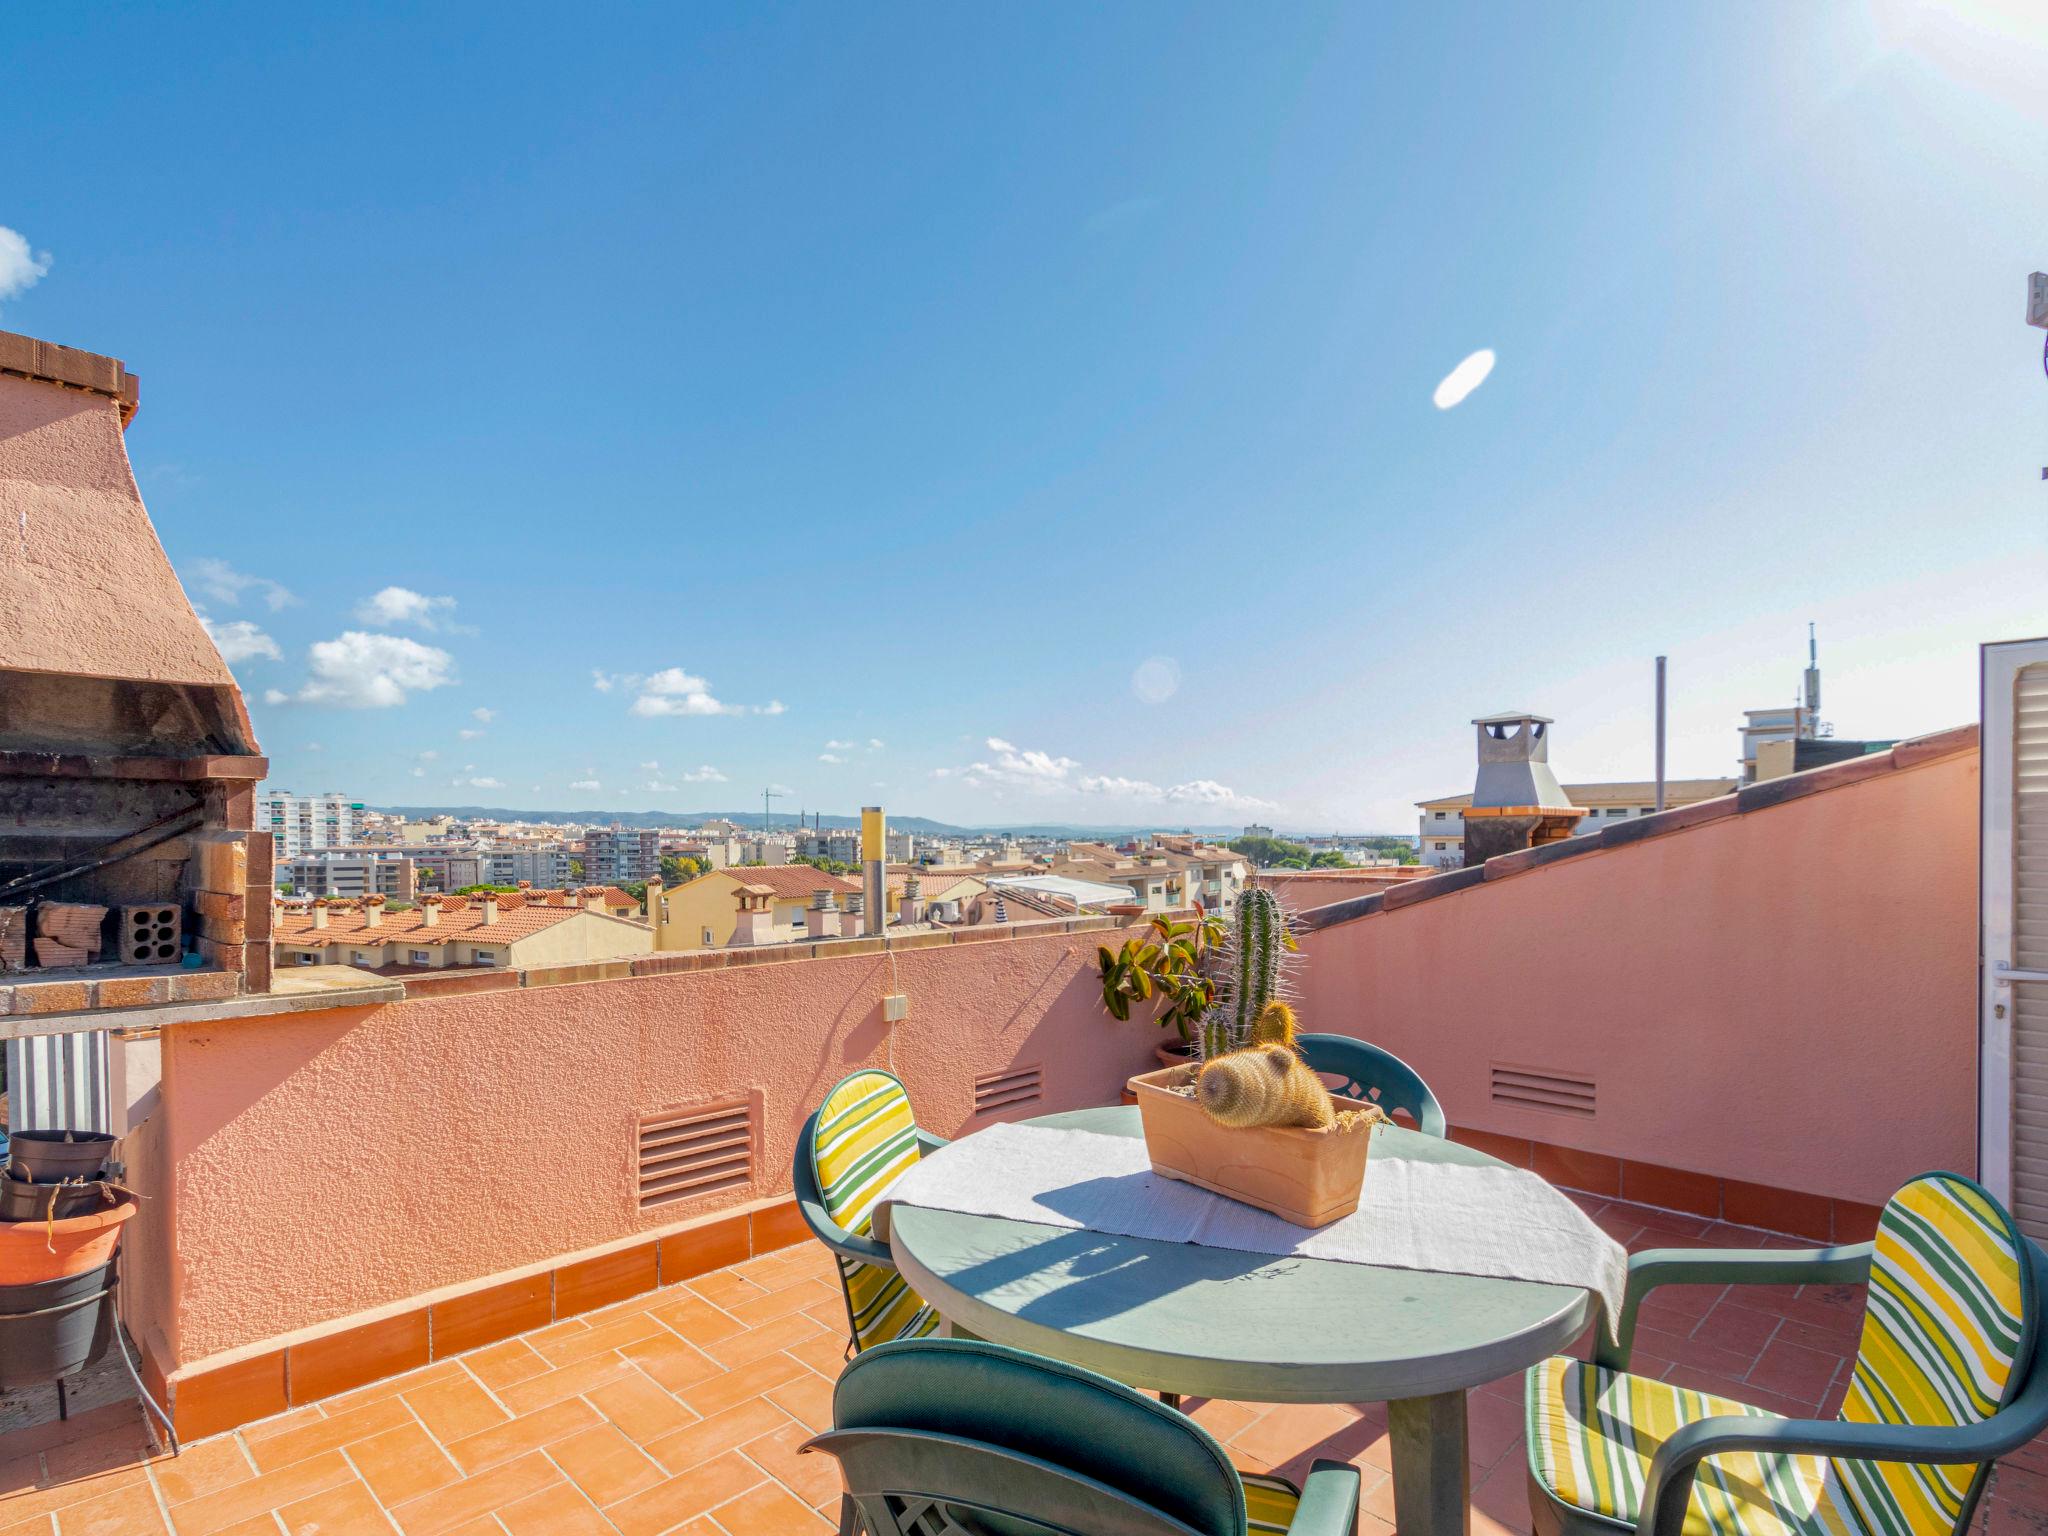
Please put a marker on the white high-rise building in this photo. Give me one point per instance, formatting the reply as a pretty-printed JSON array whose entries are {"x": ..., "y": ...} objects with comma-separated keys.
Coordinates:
[{"x": 302, "y": 823}]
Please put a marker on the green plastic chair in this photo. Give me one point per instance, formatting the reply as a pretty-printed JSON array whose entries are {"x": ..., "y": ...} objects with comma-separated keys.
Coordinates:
[
  {"x": 1376, "y": 1076},
  {"x": 942, "y": 1436},
  {"x": 853, "y": 1148},
  {"x": 1950, "y": 1375}
]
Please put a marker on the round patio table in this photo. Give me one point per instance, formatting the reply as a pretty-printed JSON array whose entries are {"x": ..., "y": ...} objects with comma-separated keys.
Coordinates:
[{"x": 1214, "y": 1322}]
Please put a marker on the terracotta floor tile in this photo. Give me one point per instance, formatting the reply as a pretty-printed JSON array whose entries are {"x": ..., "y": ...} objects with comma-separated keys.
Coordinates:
[
  {"x": 807, "y": 1399},
  {"x": 694, "y": 1492},
  {"x": 670, "y": 1361},
  {"x": 1732, "y": 1325},
  {"x": 41, "y": 1525},
  {"x": 260, "y": 1525},
  {"x": 498, "y": 1366},
  {"x": 814, "y": 1478},
  {"x": 1794, "y": 1370},
  {"x": 1503, "y": 1497},
  {"x": 772, "y": 1336},
  {"x": 444, "y": 1510},
  {"x": 1221, "y": 1417},
  {"x": 723, "y": 1288},
  {"x": 542, "y": 1338},
  {"x": 528, "y": 1432},
  {"x": 558, "y": 1386},
  {"x": 1678, "y": 1348},
  {"x": 556, "y": 1511},
  {"x": 769, "y": 1510},
  {"x": 1294, "y": 1429},
  {"x": 281, "y": 1450},
  {"x": 696, "y": 1319},
  {"x": 721, "y": 1432},
  {"x": 456, "y": 1408},
  {"x": 392, "y": 1386},
  {"x": 605, "y": 1464},
  {"x": 117, "y": 1449},
  {"x": 641, "y": 1409},
  {"x": 767, "y": 1307},
  {"x": 1493, "y": 1426},
  {"x": 127, "y": 1511},
  {"x": 345, "y": 1511},
  {"x": 207, "y": 1467},
  {"x": 715, "y": 1395},
  {"x": 825, "y": 1353},
  {"x": 213, "y": 1512},
  {"x": 402, "y": 1464}
]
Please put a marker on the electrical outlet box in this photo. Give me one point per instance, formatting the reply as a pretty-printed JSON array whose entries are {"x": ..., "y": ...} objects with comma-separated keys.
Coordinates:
[
  {"x": 896, "y": 1007},
  {"x": 2037, "y": 300}
]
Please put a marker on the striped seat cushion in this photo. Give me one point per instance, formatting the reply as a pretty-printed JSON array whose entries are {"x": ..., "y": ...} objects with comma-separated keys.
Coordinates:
[
  {"x": 1269, "y": 1502},
  {"x": 866, "y": 1137},
  {"x": 1949, "y": 1311}
]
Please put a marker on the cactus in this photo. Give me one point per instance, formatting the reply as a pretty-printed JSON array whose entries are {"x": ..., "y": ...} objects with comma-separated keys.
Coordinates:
[
  {"x": 1264, "y": 1085},
  {"x": 1255, "y": 959},
  {"x": 1274, "y": 1025}
]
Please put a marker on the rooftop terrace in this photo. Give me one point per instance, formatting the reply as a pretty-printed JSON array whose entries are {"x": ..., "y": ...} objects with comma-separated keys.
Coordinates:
[{"x": 681, "y": 1410}]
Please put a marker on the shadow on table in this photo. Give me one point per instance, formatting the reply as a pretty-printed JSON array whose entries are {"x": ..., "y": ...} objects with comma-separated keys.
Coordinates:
[{"x": 1085, "y": 1276}]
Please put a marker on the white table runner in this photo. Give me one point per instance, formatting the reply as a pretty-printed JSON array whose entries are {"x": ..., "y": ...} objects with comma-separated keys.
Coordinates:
[{"x": 1449, "y": 1217}]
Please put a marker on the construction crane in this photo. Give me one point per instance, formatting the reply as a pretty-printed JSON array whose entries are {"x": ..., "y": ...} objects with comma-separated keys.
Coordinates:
[{"x": 766, "y": 796}]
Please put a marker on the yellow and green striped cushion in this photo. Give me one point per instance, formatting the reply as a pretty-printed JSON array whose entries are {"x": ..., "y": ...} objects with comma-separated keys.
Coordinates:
[
  {"x": 1945, "y": 1320},
  {"x": 1269, "y": 1502},
  {"x": 1592, "y": 1433},
  {"x": 1943, "y": 1326},
  {"x": 866, "y": 1137}
]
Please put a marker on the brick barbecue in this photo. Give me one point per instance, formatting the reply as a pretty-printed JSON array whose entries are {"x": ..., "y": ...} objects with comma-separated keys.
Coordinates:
[{"x": 127, "y": 761}]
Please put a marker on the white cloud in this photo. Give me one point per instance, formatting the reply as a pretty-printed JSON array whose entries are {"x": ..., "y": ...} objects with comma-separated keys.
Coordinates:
[
  {"x": 429, "y": 755},
  {"x": 314, "y": 746},
  {"x": 1046, "y": 773},
  {"x": 483, "y": 783},
  {"x": 874, "y": 743},
  {"x": 1156, "y": 680},
  {"x": 225, "y": 585},
  {"x": 402, "y": 605},
  {"x": 362, "y": 671},
  {"x": 651, "y": 765},
  {"x": 838, "y": 746},
  {"x": 585, "y": 784},
  {"x": 241, "y": 640},
  {"x": 830, "y": 757},
  {"x": 672, "y": 691},
  {"x": 20, "y": 268},
  {"x": 604, "y": 682},
  {"x": 704, "y": 775},
  {"x": 419, "y": 773},
  {"x": 658, "y": 787},
  {"x": 1463, "y": 379},
  {"x": 466, "y": 734},
  {"x": 485, "y": 716}
]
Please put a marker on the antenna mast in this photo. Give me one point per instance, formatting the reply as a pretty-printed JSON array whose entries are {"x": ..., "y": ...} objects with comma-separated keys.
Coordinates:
[{"x": 766, "y": 796}]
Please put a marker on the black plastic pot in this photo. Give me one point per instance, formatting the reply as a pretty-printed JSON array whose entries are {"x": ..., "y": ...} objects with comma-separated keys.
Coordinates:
[
  {"x": 23, "y": 1201},
  {"x": 47, "y": 1157},
  {"x": 53, "y": 1329}
]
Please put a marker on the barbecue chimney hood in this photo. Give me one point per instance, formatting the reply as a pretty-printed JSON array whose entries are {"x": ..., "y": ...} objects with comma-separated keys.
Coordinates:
[{"x": 127, "y": 761}]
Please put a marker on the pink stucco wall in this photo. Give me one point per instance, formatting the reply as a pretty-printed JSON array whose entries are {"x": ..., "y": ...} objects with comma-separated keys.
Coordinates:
[
  {"x": 1784, "y": 997},
  {"x": 316, "y": 1165}
]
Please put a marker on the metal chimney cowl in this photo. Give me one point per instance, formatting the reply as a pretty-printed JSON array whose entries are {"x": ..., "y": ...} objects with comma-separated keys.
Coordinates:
[{"x": 1517, "y": 802}]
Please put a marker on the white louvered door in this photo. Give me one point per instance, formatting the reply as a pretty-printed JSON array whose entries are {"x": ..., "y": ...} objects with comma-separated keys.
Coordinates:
[{"x": 2013, "y": 1053}]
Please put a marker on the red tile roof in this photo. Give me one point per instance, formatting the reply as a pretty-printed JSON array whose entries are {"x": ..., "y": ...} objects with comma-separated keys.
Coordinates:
[{"x": 789, "y": 882}]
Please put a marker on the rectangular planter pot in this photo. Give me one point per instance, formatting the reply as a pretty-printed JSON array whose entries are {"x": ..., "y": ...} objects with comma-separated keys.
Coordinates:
[{"x": 1310, "y": 1178}]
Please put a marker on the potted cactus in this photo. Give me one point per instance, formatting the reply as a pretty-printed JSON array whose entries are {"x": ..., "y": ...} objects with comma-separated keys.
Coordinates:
[{"x": 1249, "y": 1118}]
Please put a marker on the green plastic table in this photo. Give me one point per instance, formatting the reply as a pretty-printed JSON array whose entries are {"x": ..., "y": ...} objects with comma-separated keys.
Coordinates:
[{"x": 1214, "y": 1322}]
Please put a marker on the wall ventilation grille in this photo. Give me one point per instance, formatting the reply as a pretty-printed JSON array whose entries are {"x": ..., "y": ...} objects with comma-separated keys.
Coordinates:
[
  {"x": 1530, "y": 1089},
  {"x": 1001, "y": 1090},
  {"x": 696, "y": 1151}
]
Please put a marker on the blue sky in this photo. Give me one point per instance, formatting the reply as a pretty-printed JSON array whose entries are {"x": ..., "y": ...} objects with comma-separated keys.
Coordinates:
[{"x": 1044, "y": 394}]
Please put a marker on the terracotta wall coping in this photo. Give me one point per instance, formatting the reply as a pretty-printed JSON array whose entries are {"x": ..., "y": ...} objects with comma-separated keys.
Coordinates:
[
  {"x": 1746, "y": 800},
  {"x": 48, "y": 363}
]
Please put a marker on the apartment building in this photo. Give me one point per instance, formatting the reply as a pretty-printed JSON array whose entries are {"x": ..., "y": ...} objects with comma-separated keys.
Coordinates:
[
  {"x": 350, "y": 872},
  {"x": 1443, "y": 820},
  {"x": 615, "y": 854},
  {"x": 301, "y": 823}
]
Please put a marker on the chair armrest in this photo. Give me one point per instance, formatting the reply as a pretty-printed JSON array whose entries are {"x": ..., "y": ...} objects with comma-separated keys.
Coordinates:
[
  {"x": 927, "y": 1143},
  {"x": 1329, "y": 1501},
  {"x": 1668, "y": 1488},
  {"x": 1431, "y": 1121},
  {"x": 1653, "y": 1267},
  {"x": 848, "y": 1245}
]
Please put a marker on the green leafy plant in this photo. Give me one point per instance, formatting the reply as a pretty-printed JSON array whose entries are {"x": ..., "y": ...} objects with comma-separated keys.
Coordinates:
[{"x": 1166, "y": 964}]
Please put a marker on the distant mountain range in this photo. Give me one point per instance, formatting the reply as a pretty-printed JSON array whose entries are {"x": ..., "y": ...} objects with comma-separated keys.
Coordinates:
[{"x": 921, "y": 825}]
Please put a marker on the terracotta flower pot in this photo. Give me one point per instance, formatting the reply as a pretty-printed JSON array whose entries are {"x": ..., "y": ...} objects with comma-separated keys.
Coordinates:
[
  {"x": 34, "y": 1251},
  {"x": 1174, "y": 1053},
  {"x": 1310, "y": 1178}
]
